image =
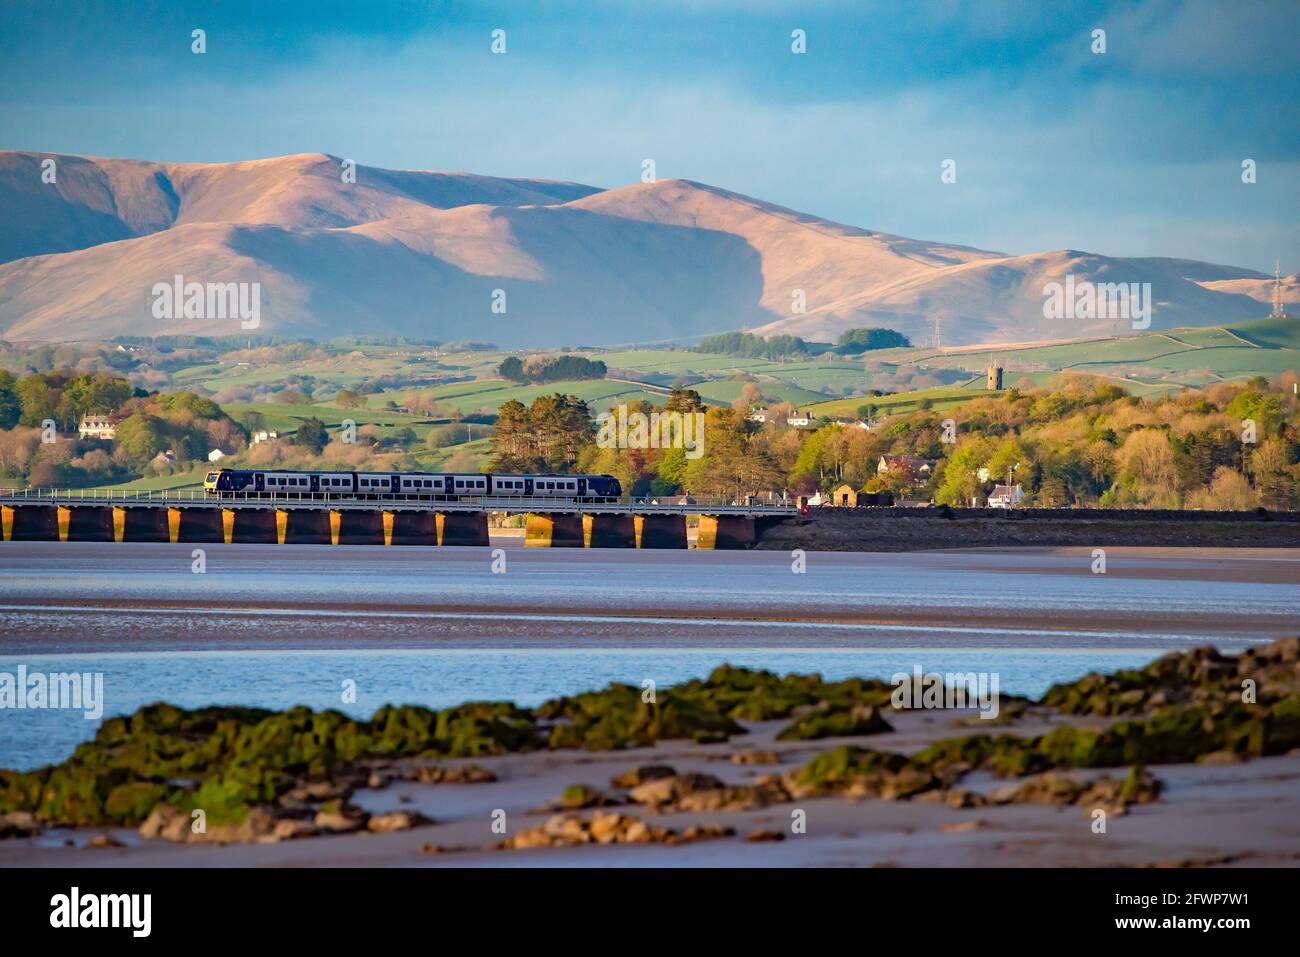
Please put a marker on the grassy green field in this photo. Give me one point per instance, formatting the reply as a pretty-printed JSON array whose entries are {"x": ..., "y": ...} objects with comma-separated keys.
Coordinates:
[
  {"x": 941, "y": 398},
  {"x": 1149, "y": 363},
  {"x": 285, "y": 417},
  {"x": 156, "y": 483},
  {"x": 489, "y": 395}
]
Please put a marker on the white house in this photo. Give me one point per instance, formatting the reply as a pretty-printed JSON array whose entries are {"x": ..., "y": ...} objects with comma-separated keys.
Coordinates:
[
  {"x": 1006, "y": 496},
  {"x": 216, "y": 455},
  {"x": 264, "y": 436},
  {"x": 800, "y": 420},
  {"x": 759, "y": 415},
  {"x": 97, "y": 427}
]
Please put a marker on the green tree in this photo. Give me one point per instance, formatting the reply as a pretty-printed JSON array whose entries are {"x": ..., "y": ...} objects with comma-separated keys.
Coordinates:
[
  {"x": 38, "y": 399},
  {"x": 512, "y": 369},
  {"x": 863, "y": 340},
  {"x": 959, "y": 482},
  {"x": 139, "y": 438},
  {"x": 684, "y": 400},
  {"x": 11, "y": 405},
  {"x": 312, "y": 434}
]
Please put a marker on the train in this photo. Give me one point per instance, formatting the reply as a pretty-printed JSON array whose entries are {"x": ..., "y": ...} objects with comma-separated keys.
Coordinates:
[{"x": 435, "y": 486}]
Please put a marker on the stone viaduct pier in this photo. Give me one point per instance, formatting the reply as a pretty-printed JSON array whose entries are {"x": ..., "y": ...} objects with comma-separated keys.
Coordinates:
[{"x": 107, "y": 515}]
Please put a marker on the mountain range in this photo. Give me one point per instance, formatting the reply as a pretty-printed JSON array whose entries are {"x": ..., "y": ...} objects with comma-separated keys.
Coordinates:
[{"x": 520, "y": 262}]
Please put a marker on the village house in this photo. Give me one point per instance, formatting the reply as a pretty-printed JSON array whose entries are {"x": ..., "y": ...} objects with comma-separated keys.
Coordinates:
[
  {"x": 264, "y": 436},
  {"x": 216, "y": 455},
  {"x": 759, "y": 415},
  {"x": 97, "y": 427},
  {"x": 846, "y": 496},
  {"x": 801, "y": 420},
  {"x": 1006, "y": 496},
  {"x": 920, "y": 469}
]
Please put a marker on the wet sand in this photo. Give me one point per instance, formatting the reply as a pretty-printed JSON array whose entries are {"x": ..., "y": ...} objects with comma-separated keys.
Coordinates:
[
  {"x": 63, "y": 598},
  {"x": 68, "y": 597},
  {"x": 1235, "y": 815}
]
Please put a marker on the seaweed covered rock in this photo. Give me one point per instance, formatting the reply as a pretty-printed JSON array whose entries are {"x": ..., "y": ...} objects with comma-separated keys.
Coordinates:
[
  {"x": 1169, "y": 736},
  {"x": 755, "y": 695},
  {"x": 1173, "y": 735},
  {"x": 228, "y": 762},
  {"x": 828, "y": 721},
  {"x": 1114, "y": 795},
  {"x": 1202, "y": 676},
  {"x": 847, "y": 767},
  {"x": 618, "y": 718}
]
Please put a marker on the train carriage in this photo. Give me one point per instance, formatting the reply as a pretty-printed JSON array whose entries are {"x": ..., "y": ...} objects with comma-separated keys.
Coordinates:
[{"x": 434, "y": 486}]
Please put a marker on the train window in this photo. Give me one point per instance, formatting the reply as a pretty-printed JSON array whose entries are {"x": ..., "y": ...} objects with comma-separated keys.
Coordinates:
[{"x": 460, "y": 483}]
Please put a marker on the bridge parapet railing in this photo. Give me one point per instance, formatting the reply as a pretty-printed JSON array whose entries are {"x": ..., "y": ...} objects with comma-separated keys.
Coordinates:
[{"x": 115, "y": 496}]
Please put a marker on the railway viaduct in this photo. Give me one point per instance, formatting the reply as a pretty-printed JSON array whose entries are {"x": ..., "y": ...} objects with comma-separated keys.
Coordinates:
[{"x": 117, "y": 516}]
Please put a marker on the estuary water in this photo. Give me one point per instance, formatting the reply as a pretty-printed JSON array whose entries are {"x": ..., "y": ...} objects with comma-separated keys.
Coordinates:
[{"x": 275, "y": 626}]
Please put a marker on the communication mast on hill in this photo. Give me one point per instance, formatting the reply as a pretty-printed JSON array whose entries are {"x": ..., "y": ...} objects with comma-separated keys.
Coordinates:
[
  {"x": 938, "y": 331},
  {"x": 1279, "y": 310}
]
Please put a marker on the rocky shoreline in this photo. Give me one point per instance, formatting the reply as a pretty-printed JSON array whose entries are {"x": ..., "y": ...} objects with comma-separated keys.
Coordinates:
[{"x": 1101, "y": 744}]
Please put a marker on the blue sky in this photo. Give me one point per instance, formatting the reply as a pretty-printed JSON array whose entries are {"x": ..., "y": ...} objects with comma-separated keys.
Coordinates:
[{"x": 1136, "y": 151}]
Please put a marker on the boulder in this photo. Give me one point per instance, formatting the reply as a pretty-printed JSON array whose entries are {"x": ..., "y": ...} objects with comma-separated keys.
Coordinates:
[
  {"x": 395, "y": 821},
  {"x": 641, "y": 775}
]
